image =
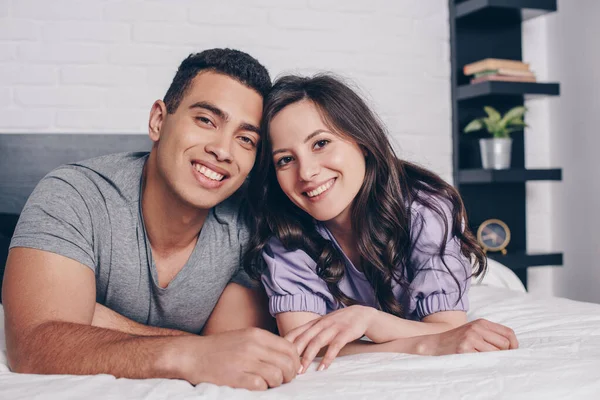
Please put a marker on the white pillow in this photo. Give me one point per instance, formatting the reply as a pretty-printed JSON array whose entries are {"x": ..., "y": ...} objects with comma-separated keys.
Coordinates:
[{"x": 499, "y": 275}]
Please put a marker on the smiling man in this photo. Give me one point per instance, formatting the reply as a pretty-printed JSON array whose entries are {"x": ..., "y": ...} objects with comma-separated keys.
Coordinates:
[{"x": 119, "y": 263}]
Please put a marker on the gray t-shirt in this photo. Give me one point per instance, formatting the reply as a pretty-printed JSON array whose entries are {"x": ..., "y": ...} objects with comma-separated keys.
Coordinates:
[{"x": 90, "y": 211}]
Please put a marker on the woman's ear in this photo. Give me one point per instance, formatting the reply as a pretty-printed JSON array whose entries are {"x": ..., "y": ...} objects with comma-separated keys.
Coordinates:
[
  {"x": 157, "y": 116},
  {"x": 364, "y": 151}
]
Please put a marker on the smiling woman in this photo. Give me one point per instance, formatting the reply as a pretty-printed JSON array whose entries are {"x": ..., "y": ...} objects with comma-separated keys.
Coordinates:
[{"x": 353, "y": 241}]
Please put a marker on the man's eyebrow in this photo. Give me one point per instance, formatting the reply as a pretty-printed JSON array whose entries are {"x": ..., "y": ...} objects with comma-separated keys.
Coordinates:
[
  {"x": 245, "y": 126},
  {"x": 312, "y": 135},
  {"x": 212, "y": 108}
]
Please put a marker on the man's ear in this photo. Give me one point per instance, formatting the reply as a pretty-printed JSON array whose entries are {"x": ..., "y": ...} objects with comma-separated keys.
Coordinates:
[{"x": 157, "y": 116}]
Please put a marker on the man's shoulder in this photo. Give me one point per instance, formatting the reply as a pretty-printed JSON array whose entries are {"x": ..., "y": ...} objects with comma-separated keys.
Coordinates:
[{"x": 119, "y": 173}]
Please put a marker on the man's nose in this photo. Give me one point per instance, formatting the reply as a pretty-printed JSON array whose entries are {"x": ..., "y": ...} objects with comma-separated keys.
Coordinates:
[{"x": 221, "y": 148}]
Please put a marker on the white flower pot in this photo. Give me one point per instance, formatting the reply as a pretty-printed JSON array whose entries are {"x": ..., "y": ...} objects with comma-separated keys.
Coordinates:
[{"x": 495, "y": 153}]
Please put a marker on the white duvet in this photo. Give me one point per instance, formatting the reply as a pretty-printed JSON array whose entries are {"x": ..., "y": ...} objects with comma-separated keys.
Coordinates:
[{"x": 559, "y": 358}]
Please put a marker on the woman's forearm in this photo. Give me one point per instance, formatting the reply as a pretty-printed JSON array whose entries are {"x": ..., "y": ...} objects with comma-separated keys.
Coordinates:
[
  {"x": 387, "y": 327},
  {"x": 418, "y": 345}
]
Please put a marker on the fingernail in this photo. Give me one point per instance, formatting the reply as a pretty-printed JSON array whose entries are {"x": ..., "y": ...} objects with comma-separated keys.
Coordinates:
[
  {"x": 300, "y": 370},
  {"x": 321, "y": 367}
]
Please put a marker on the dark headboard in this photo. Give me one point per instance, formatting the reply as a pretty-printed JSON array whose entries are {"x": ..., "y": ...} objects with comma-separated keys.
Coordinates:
[{"x": 26, "y": 158}]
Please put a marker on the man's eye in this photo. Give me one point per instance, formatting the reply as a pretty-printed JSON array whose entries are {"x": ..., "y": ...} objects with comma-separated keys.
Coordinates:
[
  {"x": 283, "y": 161},
  {"x": 247, "y": 140},
  {"x": 321, "y": 143},
  {"x": 205, "y": 120}
]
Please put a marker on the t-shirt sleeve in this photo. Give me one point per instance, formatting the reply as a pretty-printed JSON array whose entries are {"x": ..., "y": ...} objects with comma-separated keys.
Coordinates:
[
  {"x": 433, "y": 288},
  {"x": 291, "y": 281},
  {"x": 56, "y": 219},
  {"x": 242, "y": 278}
]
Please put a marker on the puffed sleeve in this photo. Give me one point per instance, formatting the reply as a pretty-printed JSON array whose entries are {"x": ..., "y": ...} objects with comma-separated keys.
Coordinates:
[
  {"x": 291, "y": 281},
  {"x": 433, "y": 289}
]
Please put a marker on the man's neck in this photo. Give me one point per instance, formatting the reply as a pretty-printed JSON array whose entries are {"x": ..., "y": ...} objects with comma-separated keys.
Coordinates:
[{"x": 171, "y": 224}]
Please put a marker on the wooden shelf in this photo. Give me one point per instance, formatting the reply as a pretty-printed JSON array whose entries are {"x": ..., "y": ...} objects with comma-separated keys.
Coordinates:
[
  {"x": 522, "y": 260},
  {"x": 498, "y": 9},
  {"x": 527, "y": 89},
  {"x": 474, "y": 176}
]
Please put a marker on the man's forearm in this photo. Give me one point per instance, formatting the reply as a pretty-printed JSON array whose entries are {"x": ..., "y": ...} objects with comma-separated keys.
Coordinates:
[
  {"x": 106, "y": 318},
  {"x": 67, "y": 348}
]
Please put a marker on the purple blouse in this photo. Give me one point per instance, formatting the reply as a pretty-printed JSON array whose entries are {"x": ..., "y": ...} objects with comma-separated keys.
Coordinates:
[{"x": 292, "y": 283}]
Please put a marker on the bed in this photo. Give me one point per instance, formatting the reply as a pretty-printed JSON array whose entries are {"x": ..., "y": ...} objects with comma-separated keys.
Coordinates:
[{"x": 558, "y": 358}]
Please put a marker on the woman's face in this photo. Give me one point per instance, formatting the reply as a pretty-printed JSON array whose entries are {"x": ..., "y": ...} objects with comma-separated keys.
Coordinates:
[{"x": 320, "y": 171}]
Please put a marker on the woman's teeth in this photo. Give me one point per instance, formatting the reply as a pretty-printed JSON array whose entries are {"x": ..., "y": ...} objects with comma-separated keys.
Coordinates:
[
  {"x": 209, "y": 173},
  {"x": 320, "y": 189}
]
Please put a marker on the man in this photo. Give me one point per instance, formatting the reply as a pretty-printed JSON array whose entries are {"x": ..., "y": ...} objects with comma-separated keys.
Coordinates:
[{"x": 118, "y": 262}]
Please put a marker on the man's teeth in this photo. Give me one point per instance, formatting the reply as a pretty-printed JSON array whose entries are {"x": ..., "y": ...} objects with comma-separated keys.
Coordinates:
[
  {"x": 320, "y": 189},
  {"x": 209, "y": 173}
]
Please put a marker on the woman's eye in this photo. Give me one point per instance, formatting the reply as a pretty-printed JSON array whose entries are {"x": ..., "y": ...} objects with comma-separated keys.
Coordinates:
[
  {"x": 321, "y": 143},
  {"x": 283, "y": 161}
]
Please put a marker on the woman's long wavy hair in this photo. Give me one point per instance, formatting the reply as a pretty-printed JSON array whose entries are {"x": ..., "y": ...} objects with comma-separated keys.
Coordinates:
[{"x": 380, "y": 213}]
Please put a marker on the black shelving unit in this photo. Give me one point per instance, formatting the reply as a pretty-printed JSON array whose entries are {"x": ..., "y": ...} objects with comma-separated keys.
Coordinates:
[
  {"x": 522, "y": 260},
  {"x": 524, "y": 9},
  {"x": 527, "y": 89},
  {"x": 466, "y": 176},
  {"x": 482, "y": 29}
]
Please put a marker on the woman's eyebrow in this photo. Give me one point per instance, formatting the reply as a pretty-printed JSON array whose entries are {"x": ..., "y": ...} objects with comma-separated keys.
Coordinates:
[{"x": 312, "y": 135}]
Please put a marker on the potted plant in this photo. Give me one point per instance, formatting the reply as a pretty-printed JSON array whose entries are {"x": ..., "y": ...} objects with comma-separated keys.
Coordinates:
[{"x": 496, "y": 151}]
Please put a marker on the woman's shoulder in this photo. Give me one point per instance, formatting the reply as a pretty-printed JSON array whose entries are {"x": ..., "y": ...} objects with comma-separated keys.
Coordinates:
[
  {"x": 276, "y": 253},
  {"x": 426, "y": 205}
]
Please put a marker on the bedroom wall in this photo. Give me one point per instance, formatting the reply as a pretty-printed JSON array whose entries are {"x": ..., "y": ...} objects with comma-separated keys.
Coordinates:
[
  {"x": 96, "y": 66},
  {"x": 573, "y": 58},
  {"x": 563, "y": 216}
]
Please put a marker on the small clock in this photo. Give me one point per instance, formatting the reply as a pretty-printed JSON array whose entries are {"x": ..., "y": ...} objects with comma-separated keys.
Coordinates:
[{"x": 493, "y": 235}]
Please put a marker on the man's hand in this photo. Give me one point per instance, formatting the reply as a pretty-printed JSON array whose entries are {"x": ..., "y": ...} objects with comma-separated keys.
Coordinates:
[
  {"x": 251, "y": 358},
  {"x": 477, "y": 336}
]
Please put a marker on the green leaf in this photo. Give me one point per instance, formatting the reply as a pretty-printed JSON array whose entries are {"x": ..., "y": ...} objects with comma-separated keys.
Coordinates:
[
  {"x": 493, "y": 115},
  {"x": 517, "y": 122},
  {"x": 491, "y": 125},
  {"x": 473, "y": 126},
  {"x": 514, "y": 113}
]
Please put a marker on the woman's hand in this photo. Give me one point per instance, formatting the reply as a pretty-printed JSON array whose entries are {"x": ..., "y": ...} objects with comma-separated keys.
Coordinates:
[
  {"x": 477, "y": 336},
  {"x": 334, "y": 330}
]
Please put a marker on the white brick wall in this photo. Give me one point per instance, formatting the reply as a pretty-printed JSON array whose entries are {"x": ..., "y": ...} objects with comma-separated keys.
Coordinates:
[{"x": 98, "y": 65}]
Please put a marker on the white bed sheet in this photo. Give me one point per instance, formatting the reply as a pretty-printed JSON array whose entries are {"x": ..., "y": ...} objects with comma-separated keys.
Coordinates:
[{"x": 559, "y": 358}]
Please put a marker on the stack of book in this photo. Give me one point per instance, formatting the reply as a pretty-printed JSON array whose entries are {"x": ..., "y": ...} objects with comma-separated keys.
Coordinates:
[{"x": 494, "y": 69}]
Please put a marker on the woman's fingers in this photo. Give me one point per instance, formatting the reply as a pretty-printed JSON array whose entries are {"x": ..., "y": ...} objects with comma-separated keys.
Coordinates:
[
  {"x": 498, "y": 341},
  {"x": 336, "y": 345},
  {"x": 504, "y": 331},
  {"x": 483, "y": 346},
  {"x": 316, "y": 344},
  {"x": 308, "y": 335},
  {"x": 294, "y": 333}
]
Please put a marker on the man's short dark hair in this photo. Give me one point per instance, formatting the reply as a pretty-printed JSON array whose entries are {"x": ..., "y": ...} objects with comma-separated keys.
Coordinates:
[{"x": 233, "y": 63}]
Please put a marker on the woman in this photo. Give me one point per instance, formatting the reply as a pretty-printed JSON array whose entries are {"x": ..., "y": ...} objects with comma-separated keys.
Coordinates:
[{"x": 353, "y": 241}]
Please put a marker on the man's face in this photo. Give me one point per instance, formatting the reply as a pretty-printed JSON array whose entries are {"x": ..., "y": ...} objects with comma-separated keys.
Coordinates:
[{"x": 208, "y": 146}]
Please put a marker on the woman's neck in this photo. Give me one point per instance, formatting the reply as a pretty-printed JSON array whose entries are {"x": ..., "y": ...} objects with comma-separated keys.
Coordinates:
[
  {"x": 171, "y": 224},
  {"x": 341, "y": 229}
]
